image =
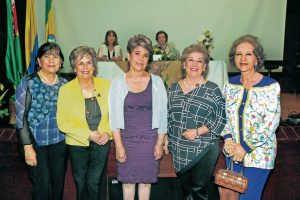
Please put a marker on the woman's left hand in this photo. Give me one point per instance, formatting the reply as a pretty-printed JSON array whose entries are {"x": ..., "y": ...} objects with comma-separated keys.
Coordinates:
[
  {"x": 190, "y": 134},
  {"x": 104, "y": 137},
  {"x": 238, "y": 153},
  {"x": 158, "y": 151},
  {"x": 165, "y": 145}
]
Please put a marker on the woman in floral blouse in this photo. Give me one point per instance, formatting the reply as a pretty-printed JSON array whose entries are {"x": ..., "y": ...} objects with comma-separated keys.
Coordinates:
[
  {"x": 252, "y": 103},
  {"x": 43, "y": 145}
]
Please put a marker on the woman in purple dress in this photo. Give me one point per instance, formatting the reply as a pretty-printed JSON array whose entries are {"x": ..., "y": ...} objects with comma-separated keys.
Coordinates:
[{"x": 138, "y": 119}]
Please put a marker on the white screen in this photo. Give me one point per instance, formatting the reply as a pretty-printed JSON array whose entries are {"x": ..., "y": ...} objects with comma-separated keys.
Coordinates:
[{"x": 81, "y": 22}]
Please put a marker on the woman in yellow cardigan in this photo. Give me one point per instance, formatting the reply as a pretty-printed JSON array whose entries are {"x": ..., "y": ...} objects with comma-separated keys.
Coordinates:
[{"x": 82, "y": 114}]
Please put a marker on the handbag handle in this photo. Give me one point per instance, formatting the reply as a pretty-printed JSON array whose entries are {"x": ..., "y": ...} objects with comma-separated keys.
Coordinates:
[{"x": 230, "y": 167}]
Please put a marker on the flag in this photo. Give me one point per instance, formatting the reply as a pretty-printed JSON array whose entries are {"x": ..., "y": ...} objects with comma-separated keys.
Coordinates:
[
  {"x": 49, "y": 21},
  {"x": 31, "y": 37},
  {"x": 13, "y": 58}
]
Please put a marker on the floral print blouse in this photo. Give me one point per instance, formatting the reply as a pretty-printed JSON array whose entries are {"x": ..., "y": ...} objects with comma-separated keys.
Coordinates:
[{"x": 253, "y": 116}]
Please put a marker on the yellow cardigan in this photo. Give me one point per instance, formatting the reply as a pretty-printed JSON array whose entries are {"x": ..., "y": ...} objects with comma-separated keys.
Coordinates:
[{"x": 71, "y": 118}]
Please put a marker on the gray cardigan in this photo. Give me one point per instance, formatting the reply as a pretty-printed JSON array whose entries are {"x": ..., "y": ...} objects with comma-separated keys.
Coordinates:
[{"x": 116, "y": 97}]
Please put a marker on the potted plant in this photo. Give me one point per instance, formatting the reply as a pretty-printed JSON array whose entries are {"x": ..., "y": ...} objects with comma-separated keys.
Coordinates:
[
  {"x": 208, "y": 41},
  {"x": 3, "y": 111},
  {"x": 7, "y": 106}
]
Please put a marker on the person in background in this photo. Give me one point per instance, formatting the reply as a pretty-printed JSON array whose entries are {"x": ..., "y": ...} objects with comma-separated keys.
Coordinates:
[
  {"x": 110, "y": 50},
  {"x": 43, "y": 145},
  {"x": 164, "y": 48},
  {"x": 196, "y": 118},
  {"x": 253, "y": 115},
  {"x": 82, "y": 115},
  {"x": 138, "y": 116}
]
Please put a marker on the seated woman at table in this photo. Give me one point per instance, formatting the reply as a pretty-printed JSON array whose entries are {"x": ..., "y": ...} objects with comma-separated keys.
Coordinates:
[
  {"x": 196, "y": 118},
  {"x": 168, "y": 51},
  {"x": 110, "y": 50},
  {"x": 82, "y": 114}
]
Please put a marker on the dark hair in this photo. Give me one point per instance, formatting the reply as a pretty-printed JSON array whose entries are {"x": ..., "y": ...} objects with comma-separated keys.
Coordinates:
[
  {"x": 82, "y": 51},
  {"x": 106, "y": 36},
  {"x": 258, "y": 50},
  {"x": 45, "y": 48},
  {"x": 140, "y": 40},
  {"x": 200, "y": 48},
  {"x": 160, "y": 32}
]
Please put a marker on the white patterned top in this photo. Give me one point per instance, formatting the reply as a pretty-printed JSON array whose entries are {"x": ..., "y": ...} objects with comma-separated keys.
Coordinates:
[{"x": 253, "y": 116}]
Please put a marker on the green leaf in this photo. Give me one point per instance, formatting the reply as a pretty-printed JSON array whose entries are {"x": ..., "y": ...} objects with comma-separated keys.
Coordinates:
[{"x": 2, "y": 96}]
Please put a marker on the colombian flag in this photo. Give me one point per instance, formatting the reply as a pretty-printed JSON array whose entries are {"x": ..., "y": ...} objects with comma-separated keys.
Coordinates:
[
  {"x": 13, "y": 57},
  {"x": 31, "y": 37},
  {"x": 50, "y": 31}
]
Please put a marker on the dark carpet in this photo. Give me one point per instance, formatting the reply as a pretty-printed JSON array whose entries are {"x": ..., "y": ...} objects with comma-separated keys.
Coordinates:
[{"x": 284, "y": 182}]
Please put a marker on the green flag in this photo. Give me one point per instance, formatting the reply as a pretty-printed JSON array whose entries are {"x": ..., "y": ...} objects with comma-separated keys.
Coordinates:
[
  {"x": 49, "y": 20},
  {"x": 13, "y": 58}
]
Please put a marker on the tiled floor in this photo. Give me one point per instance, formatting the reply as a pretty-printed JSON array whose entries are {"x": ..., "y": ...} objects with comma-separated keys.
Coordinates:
[{"x": 290, "y": 104}]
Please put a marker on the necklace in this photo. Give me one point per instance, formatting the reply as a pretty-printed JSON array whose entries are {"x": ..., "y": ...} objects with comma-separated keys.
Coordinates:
[
  {"x": 91, "y": 106},
  {"x": 47, "y": 81},
  {"x": 187, "y": 85}
]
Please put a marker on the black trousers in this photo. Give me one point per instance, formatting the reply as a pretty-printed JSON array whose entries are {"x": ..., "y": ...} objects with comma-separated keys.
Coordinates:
[
  {"x": 88, "y": 164},
  {"x": 196, "y": 181},
  {"x": 48, "y": 177}
]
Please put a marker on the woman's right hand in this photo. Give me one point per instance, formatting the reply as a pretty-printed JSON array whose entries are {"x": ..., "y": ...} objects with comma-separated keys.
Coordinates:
[
  {"x": 190, "y": 134},
  {"x": 120, "y": 153},
  {"x": 229, "y": 146},
  {"x": 104, "y": 58},
  {"x": 166, "y": 143},
  {"x": 95, "y": 137},
  {"x": 30, "y": 155}
]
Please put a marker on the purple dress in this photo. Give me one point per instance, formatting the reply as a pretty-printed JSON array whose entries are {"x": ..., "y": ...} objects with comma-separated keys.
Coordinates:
[{"x": 139, "y": 139}]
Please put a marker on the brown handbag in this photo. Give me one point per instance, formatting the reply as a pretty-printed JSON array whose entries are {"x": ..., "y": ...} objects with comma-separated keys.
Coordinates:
[{"x": 229, "y": 179}]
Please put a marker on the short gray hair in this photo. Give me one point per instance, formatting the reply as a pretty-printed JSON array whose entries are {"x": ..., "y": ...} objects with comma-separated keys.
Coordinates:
[
  {"x": 199, "y": 48},
  {"x": 258, "y": 50},
  {"x": 83, "y": 51},
  {"x": 140, "y": 40}
]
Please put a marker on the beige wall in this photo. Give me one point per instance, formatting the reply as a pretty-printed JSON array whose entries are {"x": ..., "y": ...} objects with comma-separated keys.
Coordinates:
[{"x": 85, "y": 22}]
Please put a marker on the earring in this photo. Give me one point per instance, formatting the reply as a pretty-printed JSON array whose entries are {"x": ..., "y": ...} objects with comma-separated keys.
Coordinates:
[{"x": 183, "y": 66}]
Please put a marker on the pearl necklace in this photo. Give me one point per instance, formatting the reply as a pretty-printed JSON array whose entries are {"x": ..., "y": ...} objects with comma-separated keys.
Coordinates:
[
  {"x": 186, "y": 84},
  {"x": 47, "y": 81}
]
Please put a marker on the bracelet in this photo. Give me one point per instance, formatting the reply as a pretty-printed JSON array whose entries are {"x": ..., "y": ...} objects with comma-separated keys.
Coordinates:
[
  {"x": 198, "y": 135},
  {"x": 197, "y": 131}
]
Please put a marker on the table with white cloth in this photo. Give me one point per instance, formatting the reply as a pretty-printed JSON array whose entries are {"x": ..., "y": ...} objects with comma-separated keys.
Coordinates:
[
  {"x": 108, "y": 70},
  {"x": 170, "y": 71},
  {"x": 217, "y": 73}
]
